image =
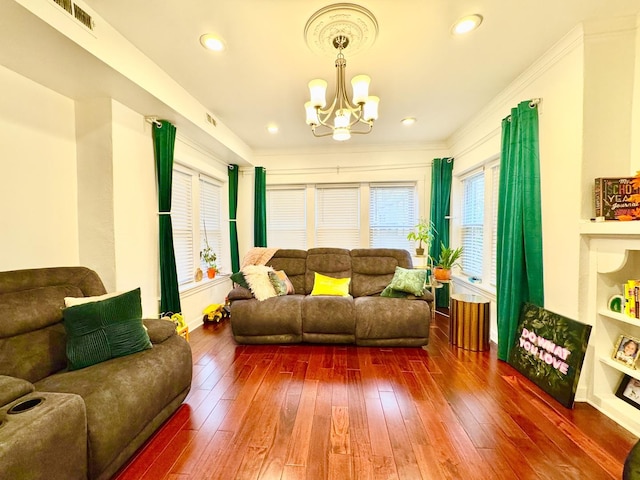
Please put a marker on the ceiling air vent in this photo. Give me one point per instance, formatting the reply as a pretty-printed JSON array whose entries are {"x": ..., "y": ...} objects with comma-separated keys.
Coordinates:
[
  {"x": 211, "y": 120},
  {"x": 66, "y": 4},
  {"x": 79, "y": 13},
  {"x": 83, "y": 17}
]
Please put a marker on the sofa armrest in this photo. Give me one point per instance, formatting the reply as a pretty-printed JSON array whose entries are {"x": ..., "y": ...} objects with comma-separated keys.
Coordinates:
[
  {"x": 240, "y": 293},
  {"x": 12, "y": 388},
  {"x": 159, "y": 329}
]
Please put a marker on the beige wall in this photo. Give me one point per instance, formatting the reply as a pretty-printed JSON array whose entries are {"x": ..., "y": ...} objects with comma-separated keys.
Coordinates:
[{"x": 38, "y": 198}]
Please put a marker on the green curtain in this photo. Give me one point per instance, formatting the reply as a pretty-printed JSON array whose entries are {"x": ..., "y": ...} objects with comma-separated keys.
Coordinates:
[
  {"x": 519, "y": 250},
  {"x": 164, "y": 139},
  {"x": 260, "y": 208},
  {"x": 441, "y": 175},
  {"x": 233, "y": 211}
]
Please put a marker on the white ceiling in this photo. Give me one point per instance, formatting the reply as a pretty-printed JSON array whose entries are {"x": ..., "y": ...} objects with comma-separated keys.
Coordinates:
[{"x": 417, "y": 67}]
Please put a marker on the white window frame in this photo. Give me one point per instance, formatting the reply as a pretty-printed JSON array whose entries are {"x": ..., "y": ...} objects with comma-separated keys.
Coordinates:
[
  {"x": 361, "y": 228},
  {"x": 218, "y": 242},
  {"x": 491, "y": 170}
]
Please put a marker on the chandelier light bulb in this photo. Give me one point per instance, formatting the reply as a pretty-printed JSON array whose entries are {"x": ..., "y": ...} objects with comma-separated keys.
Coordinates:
[
  {"x": 341, "y": 134},
  {"x": 312, "y": 114},
  {"x": 343, "y": 117},
  {"x": 360, "y": 85},
  {"x": 370, "y": 108},
  {"x": 318, "y": 92}
]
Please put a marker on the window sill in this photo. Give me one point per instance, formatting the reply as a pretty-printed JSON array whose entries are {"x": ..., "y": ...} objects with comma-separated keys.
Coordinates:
[
  {"x": 488, "y": 291},
  {"x": 204, "y": 284}
]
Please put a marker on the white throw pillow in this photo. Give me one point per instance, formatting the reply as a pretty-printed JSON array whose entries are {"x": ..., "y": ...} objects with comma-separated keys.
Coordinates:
[{"x": 257, "y": 276}]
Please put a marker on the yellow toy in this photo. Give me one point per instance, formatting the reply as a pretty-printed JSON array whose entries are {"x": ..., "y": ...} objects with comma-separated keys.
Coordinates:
[{"x": 213, "y": 313}]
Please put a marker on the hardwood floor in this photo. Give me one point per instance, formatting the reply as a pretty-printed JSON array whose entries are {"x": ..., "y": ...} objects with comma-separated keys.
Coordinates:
[{"x": 345, "y": 412}]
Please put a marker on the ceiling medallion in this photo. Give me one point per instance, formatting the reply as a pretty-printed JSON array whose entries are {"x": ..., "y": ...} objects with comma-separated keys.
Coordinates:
[{"x": 348, "y": 20}]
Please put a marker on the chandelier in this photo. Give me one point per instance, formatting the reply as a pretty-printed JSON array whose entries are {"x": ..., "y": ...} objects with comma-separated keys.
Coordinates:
[{"x": 332, "y": 28}]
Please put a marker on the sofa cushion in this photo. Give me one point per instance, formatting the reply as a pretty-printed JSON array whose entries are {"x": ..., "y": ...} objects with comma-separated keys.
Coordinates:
[
  {"x": 278, "y": 317},
  {"x": 373, "y": 269},
  {"x": 324, "y": 285},
  {"x": 12, "y": 388},
  {"x": 100, "y": 330},
  {"x": 332, "y": 262},
  {"x": 391, "y": 321},
  {"x": 409, "y": 280},
  {"x": 328, "y": 319}
]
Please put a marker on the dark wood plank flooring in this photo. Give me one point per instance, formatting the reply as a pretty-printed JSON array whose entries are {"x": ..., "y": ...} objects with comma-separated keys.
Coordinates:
[{"x": 344, "y": 412}]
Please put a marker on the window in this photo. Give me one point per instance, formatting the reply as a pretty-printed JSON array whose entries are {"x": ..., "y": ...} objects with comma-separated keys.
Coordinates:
[
  {"x": 287, "y": 217},
  {"x": 210, "y": 230},
  {"x": 182, "y": 222},
  {"x": 338, "y": 217},
  {"x": 377, "y": 215},
  {"x": 472, "y": 224},
  {"x": 392, "y": 214},
  {"x": 495, "y": 184},
  {"x": 195, "y": 204}
]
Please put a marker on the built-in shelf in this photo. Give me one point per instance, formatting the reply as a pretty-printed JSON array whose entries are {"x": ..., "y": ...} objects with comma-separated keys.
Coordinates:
[
  {"x": 612, "y": 258},
  {"x": 621, "y": 368},
  {"x": 620, "y": 317},
  {"x": 610, "y": 227}
]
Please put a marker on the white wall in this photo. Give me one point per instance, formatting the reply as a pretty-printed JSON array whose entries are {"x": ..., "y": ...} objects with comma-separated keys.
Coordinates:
[
  {"x": 38, "y": 164},
  {"x": 557, "y": 80}
]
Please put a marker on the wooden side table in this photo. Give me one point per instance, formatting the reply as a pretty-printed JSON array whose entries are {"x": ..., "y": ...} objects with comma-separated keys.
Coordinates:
[{"x": 469, "y": 322}]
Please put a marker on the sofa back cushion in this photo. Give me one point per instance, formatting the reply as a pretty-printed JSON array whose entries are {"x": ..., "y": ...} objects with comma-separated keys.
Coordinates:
[
  {"x": 294, "y": 263},
  {"x": 373, "y": 269},
  {"x": 332, "y": 262},
  {"x": 32, "y": 337}
]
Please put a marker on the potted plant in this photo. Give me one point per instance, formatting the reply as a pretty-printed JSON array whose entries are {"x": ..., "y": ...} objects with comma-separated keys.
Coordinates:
[
  {"x": 422, "y": 232},
  {"x": 209, "y": 257},
  {"x": 448, "y": 259}
]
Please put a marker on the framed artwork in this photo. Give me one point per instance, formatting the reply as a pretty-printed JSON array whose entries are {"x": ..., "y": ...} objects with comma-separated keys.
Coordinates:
[
  {"x": 549, "y": 350},
  {"x": 626, "y": 351},
  {"x": 629, "y": 391}
]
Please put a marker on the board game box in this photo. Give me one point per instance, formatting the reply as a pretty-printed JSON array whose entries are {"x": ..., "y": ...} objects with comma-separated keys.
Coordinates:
[{"x": 614, "y": 199}]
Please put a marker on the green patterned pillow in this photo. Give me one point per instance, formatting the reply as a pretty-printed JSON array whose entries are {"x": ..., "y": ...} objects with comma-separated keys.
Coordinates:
[
  {"x": 410, "y": 281},
  {"x": 101, "y": 330},
  {"x": 391, "y": 293}
]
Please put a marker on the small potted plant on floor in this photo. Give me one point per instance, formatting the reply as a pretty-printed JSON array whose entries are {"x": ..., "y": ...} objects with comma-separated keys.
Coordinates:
[
  {"x": 209, "y": 257},
  {"x": 422, "y": 232},
  {"x": 448, "y": 259}
]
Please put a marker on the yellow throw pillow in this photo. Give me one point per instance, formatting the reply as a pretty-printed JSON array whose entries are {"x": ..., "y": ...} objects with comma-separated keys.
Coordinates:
[{"x": 323, "y": 285}]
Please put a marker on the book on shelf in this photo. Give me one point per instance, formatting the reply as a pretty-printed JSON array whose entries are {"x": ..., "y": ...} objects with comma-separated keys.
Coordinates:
[
  {"x": 614, "y": 198},
  {"x": 632, "y": 298}
]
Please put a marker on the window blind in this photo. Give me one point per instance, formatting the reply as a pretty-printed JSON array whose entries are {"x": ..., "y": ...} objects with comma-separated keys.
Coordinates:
[
  {"x": 182, "y": 221},
  {"x": 338, "y": 217},
  {"x": 210, "y": 211},
  {"x": 472, "y": 224},
  {"x": 392, "y": 214},
  {"x": 287, "y": 217},
  {"x": 495, "y": 185}
]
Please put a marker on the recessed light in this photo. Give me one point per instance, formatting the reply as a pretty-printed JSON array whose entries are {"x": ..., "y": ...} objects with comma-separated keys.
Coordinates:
[
  {"x": 466, "y": 24},
  {"x": 408, "y": 121},
  {"x": 212, "y": 41},
  {"x": 272, "y": 128}
]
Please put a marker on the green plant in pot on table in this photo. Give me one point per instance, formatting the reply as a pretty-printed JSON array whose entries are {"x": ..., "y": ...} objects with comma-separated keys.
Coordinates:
[
  {"x": 209, "y": 257},
  {"x": 422, "y": 232},
  {"x": 448, "y": 259}
]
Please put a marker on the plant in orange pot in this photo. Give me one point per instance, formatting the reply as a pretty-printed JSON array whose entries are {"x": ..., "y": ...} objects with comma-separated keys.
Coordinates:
[
  {"x": 448, "y": 259},
  {"x": 209, "y": 257}
]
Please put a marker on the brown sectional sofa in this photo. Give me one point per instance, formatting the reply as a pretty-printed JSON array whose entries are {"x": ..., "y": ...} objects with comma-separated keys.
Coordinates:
[
  {"x": 90, "y": 421},
  {"x": 364, "y": 318}
]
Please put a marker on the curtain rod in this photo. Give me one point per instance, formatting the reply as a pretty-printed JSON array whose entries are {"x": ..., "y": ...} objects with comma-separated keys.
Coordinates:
[{"x": 153, "y": 119}]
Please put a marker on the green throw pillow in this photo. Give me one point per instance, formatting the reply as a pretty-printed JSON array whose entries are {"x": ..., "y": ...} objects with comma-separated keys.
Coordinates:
[
  {"x": 278, "y": 285},
  {"x": 101, "y": 330},
  {"x": 410, "y": 281},
  {"x": 238, "y": 278},
  {"x": 391, "y": 293}
]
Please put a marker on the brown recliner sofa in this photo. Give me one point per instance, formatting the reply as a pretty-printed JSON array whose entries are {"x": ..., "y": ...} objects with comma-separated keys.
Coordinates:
[
  {"x": 59, "y": 424},
  {"x": 365, "y": 318}
]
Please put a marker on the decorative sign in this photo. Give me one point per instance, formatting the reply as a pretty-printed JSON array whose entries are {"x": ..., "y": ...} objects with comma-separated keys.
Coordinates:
[{"x": 549, "y": 350}]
